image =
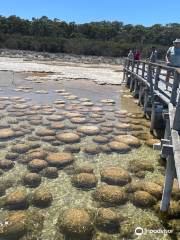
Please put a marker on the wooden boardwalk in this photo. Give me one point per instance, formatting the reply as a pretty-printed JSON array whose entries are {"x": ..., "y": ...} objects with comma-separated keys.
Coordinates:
[{"x": 147, "y": 82}]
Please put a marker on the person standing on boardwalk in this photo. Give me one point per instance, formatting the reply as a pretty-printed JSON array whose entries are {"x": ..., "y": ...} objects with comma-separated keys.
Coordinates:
[
  {"x": 153, "y": 56},
  {"x": 137, "y": 55},
  {"x": 130, "y": 55},
  {"x": 172, "y": 59}
]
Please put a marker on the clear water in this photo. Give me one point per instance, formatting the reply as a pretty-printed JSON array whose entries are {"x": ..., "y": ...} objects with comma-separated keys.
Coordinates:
[{"x": 64, "y": 194}]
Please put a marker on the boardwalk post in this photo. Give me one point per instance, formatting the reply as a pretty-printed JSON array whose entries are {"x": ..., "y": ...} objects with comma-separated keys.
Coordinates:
[
  {"x": 136, "y": 88},
  {"x": 158, "y": 70},
  {"x": 124, "y": 71},
  {"x": 143, "y": 69},
  {"x": 169, "y": 179},
  {"x": 174, "y": 88}
]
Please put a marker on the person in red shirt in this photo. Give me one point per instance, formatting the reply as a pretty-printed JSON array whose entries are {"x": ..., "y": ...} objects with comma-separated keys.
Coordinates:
[{"x": 137, "y": 55}]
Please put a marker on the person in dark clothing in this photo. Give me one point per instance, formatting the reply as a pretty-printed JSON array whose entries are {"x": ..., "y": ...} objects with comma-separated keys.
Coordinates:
[{"x": 137, "y": 55}]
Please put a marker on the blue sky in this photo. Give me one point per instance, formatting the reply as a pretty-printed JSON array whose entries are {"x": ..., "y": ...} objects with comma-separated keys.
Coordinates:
[{"x": 129, "y": 11}]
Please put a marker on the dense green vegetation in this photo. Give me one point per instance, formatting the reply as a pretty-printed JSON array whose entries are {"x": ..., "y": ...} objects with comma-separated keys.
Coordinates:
[{"x": 95, "y": 38}]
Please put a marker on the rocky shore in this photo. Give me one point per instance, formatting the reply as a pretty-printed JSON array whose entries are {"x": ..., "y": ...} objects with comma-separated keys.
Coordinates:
[{"x": 45, "y": 56}]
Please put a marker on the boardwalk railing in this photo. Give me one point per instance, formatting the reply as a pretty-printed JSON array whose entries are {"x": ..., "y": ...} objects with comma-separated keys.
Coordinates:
[{"x": 157, "y": 88}]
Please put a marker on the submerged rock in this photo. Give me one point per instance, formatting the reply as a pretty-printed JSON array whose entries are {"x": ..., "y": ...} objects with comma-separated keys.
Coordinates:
[
  {"x": 142, "y": 135},
  {"x": 108, "y": 220},
  {"x": 84, "y": 169},
  {"x": 60, "y": 159},
  {"x": 105, "y": 148},
  {"x": 12, "y": 156},
  {"x": 76, "y": 224},
  {"x": 57, "y": 125},
  {"x": 110, "y": 195},
  {"x": 50, "y": 172},
  {"x": 16, "y": 200},
  {"x": 143, "y": 199},
  {"x": 6, "y": 134},
  {"x": 72, "y": 148},
  {"x": 45, "y": 132},
  {"x": 129, "y": 140},
  {"x": 6, "y": 164},
  {"x": 21, "y": 225},
  {"x": 101, "y": 139},
  {"x": 115, "y": 176},
  {"x": 119, "y": 147},
  {"x": 89, "y": 129},
  {"x": 84, "y": 180},
  {"x": 140, "y": 165},
  {"x": 37, "y": 154},
  {"x": 68, "y": 137},
  {"x": 37, "y": 165},
  {"x": 20, "y": 148},
  {"x": 151, "y": 142},
  {"x": 42, "y": 198},
  {"x": 92, "y": 149},
  {"x": 123, "y": 126},
  {"x": 32, "y": 179},
  {"x": 78, "y": 120},
  {"x": 152, "y": 188}
]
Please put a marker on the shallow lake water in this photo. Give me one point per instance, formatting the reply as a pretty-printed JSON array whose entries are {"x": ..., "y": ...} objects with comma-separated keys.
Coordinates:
[{"x": 106, "y": 106}]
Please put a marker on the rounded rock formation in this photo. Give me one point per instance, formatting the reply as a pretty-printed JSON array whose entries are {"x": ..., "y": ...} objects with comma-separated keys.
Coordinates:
[
  {"x": 129, "y": 140},
  {"x": 72, "y": 148},
  {"x": 32, "y": 179},
  {"x": 140, "y": 165},
  {"x": 37, "y": 154},
  {"x": 78, "y": 120},
  {"x": 119, "y": 147},
  {"x": 84, "y": 180},
  {"x": 50, "y": 172},
  {"x": 101, "y": 139},
  {"x": 20, "y": 148},
  {"x": 14, "y": 226},
  {"x": 45, "y": 132},
  {"x": 84, "y": 169},
  {"x": 12, "y": 156},
  {"x": 123, "y": 126},
  {"x": 107, "y": 220},
  {"x": 6, "y": 133},
  {"x": 105, "y": 148},
  {"x": 57, "y": 125},
  {"x": 16, "y": 200},
  {"x": 37, "y": 165},
  {"x": 6, "y": 164},
  {"x": 76, "y": 224},
  {"x": 115, "y": 176},
  {"x": 143, "y": 199},
  {"x": 60, "y": 159},
  {"x": 68, "y": 137},
  {"x": 92, "y": 149},
  {"x": 42, "y": 198},
  {"x": 151, "y": 142},
  {"x": 110, "y": 194},
  {"x": 89, "y": 130}
]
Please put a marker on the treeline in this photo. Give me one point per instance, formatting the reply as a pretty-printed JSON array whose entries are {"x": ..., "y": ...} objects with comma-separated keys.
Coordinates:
[{"x": 95, "y": 38}]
